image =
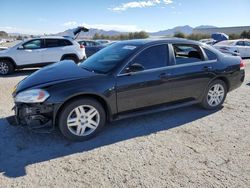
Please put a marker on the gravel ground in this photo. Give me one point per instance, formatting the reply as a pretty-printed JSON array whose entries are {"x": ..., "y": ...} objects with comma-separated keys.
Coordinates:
[{"x": 187, "y": 147}]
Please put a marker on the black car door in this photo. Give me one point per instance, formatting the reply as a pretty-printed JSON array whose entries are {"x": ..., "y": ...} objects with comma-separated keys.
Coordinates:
[
  {"x": 191, "y": 72},
  {"x": 146, "y": 87}
]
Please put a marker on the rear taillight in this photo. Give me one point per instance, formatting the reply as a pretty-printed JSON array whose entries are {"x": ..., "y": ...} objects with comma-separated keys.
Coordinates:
[
  {"x": 82, "y": 46},
  {"x": 242, "y": 65}
]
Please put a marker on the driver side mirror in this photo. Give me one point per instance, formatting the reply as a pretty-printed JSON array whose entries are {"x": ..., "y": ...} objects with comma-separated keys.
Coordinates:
[
  {"x": 136, "y": 67},
  {"x": 20, "y": 47}
]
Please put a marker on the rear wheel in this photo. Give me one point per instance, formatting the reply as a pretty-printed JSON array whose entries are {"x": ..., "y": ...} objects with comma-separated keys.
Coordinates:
[
  {"x": 215, "y": 95},
  {"x": 82, "y": 119},
  {"x": 6, "y": 67}
]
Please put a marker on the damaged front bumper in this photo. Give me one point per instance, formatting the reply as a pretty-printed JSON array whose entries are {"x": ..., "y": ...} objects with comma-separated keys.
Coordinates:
[{"x": 34, "y": 116}]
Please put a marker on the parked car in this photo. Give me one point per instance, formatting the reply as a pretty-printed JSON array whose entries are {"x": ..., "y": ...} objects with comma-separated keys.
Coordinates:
[
  {"x": 91, "y": 46},
  {"x": 126, "y": 79},
  {"x": 103, "y": 41},
  {"x": 38, "y": 52},
  {"x": 208, "y": 41},
  {"x": 239, "y": 47}
]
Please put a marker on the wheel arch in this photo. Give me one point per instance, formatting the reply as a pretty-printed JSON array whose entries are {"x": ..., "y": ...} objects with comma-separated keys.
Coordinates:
[
  {"x": 224, "y": 79},
  {"x": 9, "y": 59},
  {"x": 69, "y": 55},
  {"x": 96, "y": 97}
]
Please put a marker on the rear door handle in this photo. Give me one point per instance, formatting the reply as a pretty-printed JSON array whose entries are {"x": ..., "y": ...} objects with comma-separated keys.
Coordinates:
[
  {"x": 207, "y": 68},
  {"x": 164, "y": 75}
]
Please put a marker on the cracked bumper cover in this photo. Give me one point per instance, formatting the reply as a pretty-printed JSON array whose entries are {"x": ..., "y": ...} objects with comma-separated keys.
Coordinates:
[{"x": 33, "y": 114}]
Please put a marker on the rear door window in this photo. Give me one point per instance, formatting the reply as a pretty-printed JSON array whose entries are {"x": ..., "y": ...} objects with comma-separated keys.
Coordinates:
[
  {"x": 51, "y": 43},
  {"x": 64, "y": 42},
  {"x": 247, "y": 43},
  {"x": 210, "y": 54},
  {"x": 240, "y": 43},
  {"x": 186, "y": 53}
]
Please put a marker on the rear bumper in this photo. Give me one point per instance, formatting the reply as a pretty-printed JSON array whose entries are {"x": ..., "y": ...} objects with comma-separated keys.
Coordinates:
[{"x": 237, "y": 80}]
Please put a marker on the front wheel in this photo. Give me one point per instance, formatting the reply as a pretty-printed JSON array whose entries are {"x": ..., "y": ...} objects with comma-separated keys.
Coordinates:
[
  {"x": 6, "y": 67},
  {"x": 82, "y": 119},
  {"x": 215, "y": 95}
]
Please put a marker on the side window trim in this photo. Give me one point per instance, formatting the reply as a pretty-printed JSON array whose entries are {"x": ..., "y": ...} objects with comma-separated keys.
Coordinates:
[{"x": 138, "y": 53}]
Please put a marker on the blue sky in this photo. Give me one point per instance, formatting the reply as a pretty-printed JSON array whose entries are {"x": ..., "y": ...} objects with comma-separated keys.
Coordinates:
[{"x": 48, "y": 16}]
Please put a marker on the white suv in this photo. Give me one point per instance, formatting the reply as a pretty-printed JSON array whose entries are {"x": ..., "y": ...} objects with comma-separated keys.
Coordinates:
[{"x": 38, "y": 52}]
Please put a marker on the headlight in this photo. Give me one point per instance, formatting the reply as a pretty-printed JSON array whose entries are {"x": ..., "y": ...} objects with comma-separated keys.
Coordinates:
[{"x": 32, "y": 96}]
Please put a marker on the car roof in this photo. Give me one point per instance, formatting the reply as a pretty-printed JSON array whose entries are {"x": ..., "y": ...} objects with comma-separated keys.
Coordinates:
[
  {"x": 51, "y": 37},
  {"x": 156, "y": 41},
  {"x": 86, "y": 40}
]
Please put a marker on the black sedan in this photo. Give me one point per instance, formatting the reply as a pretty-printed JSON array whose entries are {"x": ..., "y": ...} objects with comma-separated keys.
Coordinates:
[{"x": 126, "y": 79}]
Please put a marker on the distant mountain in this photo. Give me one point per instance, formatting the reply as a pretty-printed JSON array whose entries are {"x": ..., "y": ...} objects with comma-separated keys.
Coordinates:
[
  {"x": 205, "y": 27},
  {"x": 91, "y": 33},
  {"x": 184, "y": 29}
]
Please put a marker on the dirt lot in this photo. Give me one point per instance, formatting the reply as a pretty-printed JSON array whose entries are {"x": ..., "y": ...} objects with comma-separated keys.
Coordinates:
[{"x": 188, "y": 147}]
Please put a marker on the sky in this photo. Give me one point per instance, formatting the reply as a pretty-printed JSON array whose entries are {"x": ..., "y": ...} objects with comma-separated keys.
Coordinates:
[{"x": 52, "y": 16}]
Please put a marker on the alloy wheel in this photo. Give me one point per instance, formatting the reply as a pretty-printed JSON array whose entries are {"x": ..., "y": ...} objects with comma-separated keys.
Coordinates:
[
  {"x": 83, "y": 120},
  {"x": 4, "y": 69},
  {"x": 215, "y": 95}
]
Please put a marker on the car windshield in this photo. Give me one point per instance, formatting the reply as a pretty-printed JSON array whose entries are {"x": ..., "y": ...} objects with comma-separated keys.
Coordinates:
[{"x": 108, "y": 58}]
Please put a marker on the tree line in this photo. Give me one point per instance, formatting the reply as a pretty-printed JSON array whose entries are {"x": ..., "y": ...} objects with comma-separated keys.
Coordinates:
[
  {"x": 3, "y": 34},
  {"x": 199, "y": 36},
  {"x": 143, "y": 35},
  {"x": 123, "y": 36}
]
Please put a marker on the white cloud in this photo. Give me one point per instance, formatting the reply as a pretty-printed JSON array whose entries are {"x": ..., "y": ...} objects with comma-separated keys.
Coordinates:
[
  {"x": 70, "y": 24},
  {"x": 139, "y": 4}
]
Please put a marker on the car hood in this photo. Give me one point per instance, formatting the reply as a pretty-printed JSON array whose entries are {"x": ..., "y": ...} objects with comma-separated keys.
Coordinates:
[
  {"x": 56, "y": 73},
  {"x": 3, "y": 50}
]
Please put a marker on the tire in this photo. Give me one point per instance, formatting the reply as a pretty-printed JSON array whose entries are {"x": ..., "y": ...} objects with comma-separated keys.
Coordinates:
[
  {"x": 6, "y": 67},
  {"x": 75, "y": 59},
  {"x": 76, "y": 126},
  {"x": 215, "y": 95}
]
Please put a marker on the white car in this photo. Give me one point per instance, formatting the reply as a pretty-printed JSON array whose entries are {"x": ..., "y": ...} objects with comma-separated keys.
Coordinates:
[
  {"x": 208, "y": 41},
  {"x": 239, "y": 47},
  {"x": 38, "y": 52}
]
